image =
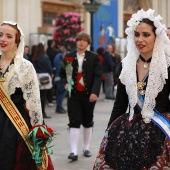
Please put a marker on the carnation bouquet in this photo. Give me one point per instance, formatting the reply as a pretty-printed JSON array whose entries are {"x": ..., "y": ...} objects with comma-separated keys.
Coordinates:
[
  {"x": 69, "y": 70},
  {"x": 40, "y": 138}
]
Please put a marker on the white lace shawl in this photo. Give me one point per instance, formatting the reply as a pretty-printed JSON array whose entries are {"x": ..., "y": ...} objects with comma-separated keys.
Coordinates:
[
  {"x": 158, "y": 72},
  {"x": 22, "y": 75}
]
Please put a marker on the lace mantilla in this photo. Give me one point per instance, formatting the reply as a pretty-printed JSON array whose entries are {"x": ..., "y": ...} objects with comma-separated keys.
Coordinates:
[
  {"x": 22, "y": 75},
  {"x": 158, "y": 71}
]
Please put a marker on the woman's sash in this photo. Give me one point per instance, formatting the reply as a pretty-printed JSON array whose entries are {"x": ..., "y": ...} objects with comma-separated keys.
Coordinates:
[
  {"x": 18, "y": 121},
  {"x": 159, "y": 119}
]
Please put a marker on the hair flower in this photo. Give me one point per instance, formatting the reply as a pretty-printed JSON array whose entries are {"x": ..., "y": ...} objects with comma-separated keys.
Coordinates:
[
  {"x": 137, "y": 18},
  {"x": 135, "y": 24}
]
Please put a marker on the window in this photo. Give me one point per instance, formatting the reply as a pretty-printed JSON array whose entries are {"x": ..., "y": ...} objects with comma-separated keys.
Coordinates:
[{"x": 49, "y": 18}]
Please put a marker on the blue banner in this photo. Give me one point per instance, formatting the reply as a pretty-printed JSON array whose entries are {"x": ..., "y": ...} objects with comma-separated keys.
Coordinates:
[{"x": 105, "y": 24}]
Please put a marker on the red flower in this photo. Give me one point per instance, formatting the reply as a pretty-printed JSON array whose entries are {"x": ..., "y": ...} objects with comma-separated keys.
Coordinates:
[
  {"x": 40, "y": 133},
  {"x": 69, "y": 59}
]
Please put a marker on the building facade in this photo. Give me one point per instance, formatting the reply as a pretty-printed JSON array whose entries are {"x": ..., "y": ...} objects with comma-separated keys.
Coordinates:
[{"x": 37, "y": 17}]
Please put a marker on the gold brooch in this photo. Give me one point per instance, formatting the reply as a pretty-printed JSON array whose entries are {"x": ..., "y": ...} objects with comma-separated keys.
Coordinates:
[{"x": 140, "y": 86}]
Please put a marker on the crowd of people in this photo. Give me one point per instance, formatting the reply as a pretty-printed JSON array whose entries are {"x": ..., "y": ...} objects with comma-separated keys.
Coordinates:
[
  {"x": 110, "y": 61},
  {"x": 137, "y": 136},
  {"x": 49, "y": 62}
]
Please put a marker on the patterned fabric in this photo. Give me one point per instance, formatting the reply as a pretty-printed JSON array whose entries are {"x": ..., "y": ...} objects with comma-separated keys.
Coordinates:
[{"x": 133, "y": 145}]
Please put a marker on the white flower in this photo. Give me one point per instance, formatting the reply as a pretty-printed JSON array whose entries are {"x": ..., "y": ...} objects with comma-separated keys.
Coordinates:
[{"x": 139, "y": 16}]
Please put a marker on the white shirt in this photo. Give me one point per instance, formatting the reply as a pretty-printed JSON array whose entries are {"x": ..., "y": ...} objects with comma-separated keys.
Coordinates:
[{"x": 80, "y": 58}]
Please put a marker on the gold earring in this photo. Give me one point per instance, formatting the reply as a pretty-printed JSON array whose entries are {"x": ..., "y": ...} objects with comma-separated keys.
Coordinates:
[{"x": 15, "y": 48}]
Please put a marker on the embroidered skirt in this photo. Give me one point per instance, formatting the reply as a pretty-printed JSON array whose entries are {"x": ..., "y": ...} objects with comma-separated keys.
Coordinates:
[{"x": 133, "y": 145}]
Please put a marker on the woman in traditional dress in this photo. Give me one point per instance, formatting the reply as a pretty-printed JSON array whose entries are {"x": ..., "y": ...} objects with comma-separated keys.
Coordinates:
[
  {"x": 20, "y": 108},
  {"x": 140, "y": 139}
]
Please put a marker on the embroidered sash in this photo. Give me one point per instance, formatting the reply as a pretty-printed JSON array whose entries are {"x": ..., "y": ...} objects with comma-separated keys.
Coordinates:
[
  {"x": 18, "y": 121},
  {"x": 161, "y": 121}
]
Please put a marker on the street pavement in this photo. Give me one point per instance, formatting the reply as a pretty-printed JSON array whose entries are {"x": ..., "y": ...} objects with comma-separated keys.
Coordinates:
[{"x": 61, "y": 145}]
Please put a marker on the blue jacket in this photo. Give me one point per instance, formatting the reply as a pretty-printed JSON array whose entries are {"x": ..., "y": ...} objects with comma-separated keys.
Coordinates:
[
  {"x": 43, "y": 65},
  {"x": 107, "y": 63},
  {"x": 57, "y": 63}
]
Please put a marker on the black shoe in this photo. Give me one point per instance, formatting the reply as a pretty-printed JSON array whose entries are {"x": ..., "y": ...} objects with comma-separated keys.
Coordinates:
[
  {"x": 87, "y": 153},
  {"x": 45, "y": 116},
  {"x": 61, "y": 110},
  {"x": 109, "y": 98},
  {"x": 73, "y": 157}
]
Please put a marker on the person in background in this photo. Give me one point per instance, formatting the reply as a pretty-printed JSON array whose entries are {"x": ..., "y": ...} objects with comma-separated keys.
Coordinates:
[
  {"x": 33, "y": 49},
  {"x": 140, "y": 139},
  {"x": 21, "y": 110},
  {"x": 60, "y": 91},
  {"x": 43, "y": 67},
  {"x": 100, "y": 51},
  {"x": 108, "y": 67},
  {"x": 116, "y": 64},
  {"x": 51, "y": 52},
  {"x": 86, "y": 77},
  {"x": 26, "y": 52}
]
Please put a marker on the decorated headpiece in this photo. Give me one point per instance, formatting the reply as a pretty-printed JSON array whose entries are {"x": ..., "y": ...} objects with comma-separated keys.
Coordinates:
[
  {"x": 20, "y": 49},
  {"x": 158, "y": 67},
  {"x": 139, "y": 16}
]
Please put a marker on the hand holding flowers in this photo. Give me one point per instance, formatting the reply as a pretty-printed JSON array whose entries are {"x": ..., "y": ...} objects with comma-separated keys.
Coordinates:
[
  {"x": 40, "y": 137},
  {"x": 69, "y": 70}
]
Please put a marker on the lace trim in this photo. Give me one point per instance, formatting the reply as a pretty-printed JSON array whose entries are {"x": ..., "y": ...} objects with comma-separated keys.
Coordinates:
[{"x": 24, "y": 70}]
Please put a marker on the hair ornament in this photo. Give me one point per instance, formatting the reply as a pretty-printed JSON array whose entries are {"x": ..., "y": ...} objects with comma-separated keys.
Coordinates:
[{"x": 139, "y": 16}]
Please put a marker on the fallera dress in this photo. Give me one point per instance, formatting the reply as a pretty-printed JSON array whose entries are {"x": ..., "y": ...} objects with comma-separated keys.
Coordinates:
[{"x": 135, "y": 145}]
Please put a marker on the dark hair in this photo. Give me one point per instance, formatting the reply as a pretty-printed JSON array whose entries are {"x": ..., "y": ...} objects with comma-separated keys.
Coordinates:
[
  {"x": 49, "y": 42},
  {"x": 114, "y": 48},
  {"x": 83, "y": 36},
  {"x": 100, "y": 51},
  {"x": 149, "y": 22},
  {"x": 39, "y": 52},
  {"x": 18, "y": 35},
  {"x": 33, "y": 49}
]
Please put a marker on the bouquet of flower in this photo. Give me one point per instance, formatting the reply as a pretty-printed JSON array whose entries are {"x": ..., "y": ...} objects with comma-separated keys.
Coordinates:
[
  {"x": 69, "y": 70},
  {"x": 40, "y": 137}
]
